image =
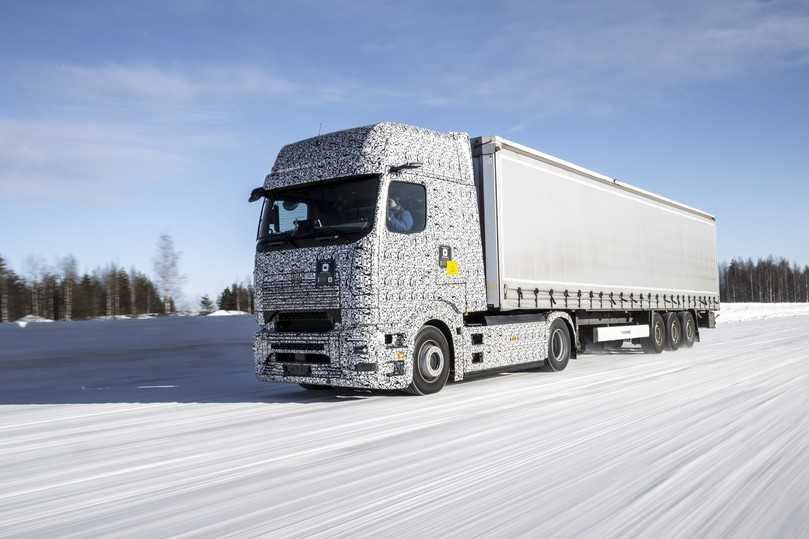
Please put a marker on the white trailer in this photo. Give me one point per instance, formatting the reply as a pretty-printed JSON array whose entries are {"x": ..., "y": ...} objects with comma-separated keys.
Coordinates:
[
  {"x": 390, "y": 256},
  {"x": 556, "y": 234}
]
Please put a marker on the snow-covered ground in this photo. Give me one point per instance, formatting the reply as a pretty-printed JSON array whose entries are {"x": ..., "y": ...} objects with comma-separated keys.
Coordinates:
[
  {"x": 738, "y": 312},
  {"x": 31, "y": 318},
  {"x": 222, "y": 312},
  {"x": 159, "y": 428}
]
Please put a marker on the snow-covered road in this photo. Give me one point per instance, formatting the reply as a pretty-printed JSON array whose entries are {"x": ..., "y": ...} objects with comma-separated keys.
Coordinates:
[{"x": 157, "y": 427}]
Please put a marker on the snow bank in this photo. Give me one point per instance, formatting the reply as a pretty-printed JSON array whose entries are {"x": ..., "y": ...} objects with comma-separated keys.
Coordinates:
[
  {"x": 739, "y": 312},
  {"x": 220, "y": 312},
  {"x": 27, "y": 319}
]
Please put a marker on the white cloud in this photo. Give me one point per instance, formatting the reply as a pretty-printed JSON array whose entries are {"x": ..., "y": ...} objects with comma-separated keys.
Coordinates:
[
  {"x": 87, "y": 161},
  {"x": 592, "y": 59},
  {"x": 179, "y": 83}
]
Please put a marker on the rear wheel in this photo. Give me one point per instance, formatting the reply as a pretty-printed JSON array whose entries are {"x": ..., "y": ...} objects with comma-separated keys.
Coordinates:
[
  {"x": 431, "y": 360},
  {"x": 656, "y": 340},
  {"x": 558, "y": 346},
  {"x": 674, "y": 331},
  {"x": 689, "y": 329}
]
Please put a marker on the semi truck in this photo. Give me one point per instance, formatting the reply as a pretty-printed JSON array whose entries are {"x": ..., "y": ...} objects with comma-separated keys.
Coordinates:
[{"x": 396, "y": 257}]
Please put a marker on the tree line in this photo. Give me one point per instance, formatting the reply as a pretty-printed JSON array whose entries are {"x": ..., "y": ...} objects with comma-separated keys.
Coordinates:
[
  {"x": 768, "y": 280},
  {"x": 61, "y": 293},
  {"x": 237, "y": 297}
]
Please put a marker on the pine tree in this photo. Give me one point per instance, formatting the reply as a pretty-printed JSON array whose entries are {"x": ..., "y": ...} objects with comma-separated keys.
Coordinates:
[{"x": 205, "y": 304}]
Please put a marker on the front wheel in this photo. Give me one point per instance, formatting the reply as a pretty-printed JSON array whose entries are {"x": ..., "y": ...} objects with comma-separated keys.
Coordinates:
[
  {"x": 431, "y": 360},
  {"x": 558, "y": 346}
]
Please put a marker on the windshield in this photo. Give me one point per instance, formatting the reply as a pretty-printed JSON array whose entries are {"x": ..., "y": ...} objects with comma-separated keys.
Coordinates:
[{"x": 333, "y": 211}]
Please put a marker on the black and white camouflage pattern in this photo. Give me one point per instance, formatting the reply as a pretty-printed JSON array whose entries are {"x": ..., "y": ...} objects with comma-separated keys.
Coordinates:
[{"x": 387, "y": 283}]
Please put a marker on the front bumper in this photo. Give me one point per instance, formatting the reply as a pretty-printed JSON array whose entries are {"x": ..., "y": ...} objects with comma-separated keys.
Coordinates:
[{"x": 351, "y": 357}]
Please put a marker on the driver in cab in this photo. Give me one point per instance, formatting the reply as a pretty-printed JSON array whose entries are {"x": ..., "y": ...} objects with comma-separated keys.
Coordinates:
[{"x": 400, "y": 219}]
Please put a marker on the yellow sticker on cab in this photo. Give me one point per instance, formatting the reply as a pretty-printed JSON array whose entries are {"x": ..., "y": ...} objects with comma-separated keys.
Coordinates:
[{"x": 453, "y": 268}]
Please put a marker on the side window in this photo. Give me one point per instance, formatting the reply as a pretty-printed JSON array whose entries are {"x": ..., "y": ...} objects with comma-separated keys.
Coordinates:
[{"x": 407, "y": 207}]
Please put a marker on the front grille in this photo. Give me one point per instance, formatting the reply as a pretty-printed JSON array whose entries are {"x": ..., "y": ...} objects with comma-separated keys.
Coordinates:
[
  {"x": 299, "y": 292},
  {"x": 296, "y": 357},
  {"x": 289, "y": 345},
  {"x": 306, "y": 321}
]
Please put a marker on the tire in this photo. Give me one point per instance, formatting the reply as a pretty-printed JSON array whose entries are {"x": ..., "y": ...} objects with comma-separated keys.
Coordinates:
[
  {"x": 558, "y": 346},
  {"x": 314, "y": 387},
  {"x": 689, "y": 329},
  {"x": 656, "y": 340},
  {"x": 674, "y": 331},
  {"x": 431, "y": 360}
]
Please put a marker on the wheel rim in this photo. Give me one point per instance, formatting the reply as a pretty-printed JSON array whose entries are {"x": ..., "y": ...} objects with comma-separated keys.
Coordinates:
[
  {"x": 675, "y": 333},
  {"x": 659, "y": 333},
  {"x": 558, "y": 345},
  {"x": 689, "y": 330},
  {"x": 431, "y": 361}
]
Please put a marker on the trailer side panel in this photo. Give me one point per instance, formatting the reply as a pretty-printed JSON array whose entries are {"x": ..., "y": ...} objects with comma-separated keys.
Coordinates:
[{"x": 566, "y": 239}]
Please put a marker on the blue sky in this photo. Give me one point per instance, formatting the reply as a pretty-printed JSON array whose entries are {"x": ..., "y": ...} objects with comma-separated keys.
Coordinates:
[{"x": 121, "y": 121}]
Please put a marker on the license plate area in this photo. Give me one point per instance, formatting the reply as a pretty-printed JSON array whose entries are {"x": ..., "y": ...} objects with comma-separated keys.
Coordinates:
[{"x": 297, "y": 370}]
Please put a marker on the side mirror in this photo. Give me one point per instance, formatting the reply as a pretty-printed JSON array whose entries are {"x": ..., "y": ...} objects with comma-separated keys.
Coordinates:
[{"x": 257, "y": 193}]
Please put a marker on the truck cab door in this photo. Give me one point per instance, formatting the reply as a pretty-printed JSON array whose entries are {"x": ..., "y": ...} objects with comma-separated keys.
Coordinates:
[{"x": 407, "y": 260}]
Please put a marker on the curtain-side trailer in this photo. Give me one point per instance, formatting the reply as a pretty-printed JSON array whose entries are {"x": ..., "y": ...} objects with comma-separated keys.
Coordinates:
[{"x": 390, "y": 256}]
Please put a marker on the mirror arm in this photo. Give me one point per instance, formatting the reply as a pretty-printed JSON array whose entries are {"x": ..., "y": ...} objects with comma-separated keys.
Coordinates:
[{"x": 257, "y": 193}]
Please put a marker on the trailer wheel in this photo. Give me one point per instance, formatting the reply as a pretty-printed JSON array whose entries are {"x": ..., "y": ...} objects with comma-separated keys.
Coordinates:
[
  {"x": 558, "y": 346},
  {"x": 656, "y": 340},
  {"x": 431, "y": 359},
  {"x": 674, "y": 331},
  {"x": 689, "y": 329}
]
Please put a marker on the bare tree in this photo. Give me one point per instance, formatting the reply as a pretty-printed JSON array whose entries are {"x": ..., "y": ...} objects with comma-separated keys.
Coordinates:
[
  {"x": 70, "y": 274},
  {"x": 34, "y": 268},
  {"x": 167, "y": 271}
]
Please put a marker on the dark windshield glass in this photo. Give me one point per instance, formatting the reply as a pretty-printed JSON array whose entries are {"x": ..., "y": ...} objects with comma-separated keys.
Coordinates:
[{"x": 334, "y": 210}]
